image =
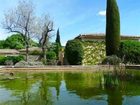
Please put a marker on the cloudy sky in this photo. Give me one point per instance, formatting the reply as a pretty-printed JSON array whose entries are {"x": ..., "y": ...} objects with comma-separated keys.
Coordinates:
[{"x": 74, "y": 17}]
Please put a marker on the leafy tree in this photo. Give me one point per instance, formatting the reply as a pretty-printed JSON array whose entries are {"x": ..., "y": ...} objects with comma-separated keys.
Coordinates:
[
  {"x": 57, "y": 44},
  {"x": 58, "y": 38},
  {"x": 74, "y": 52},
  {"x": 112, "y": 28},
  {"x": 15, "y": 41}
]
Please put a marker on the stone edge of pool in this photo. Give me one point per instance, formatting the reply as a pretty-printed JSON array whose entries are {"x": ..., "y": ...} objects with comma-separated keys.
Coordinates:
[
  {"x": 59, "y": 68},
  {"x": 66, "y": 68}
]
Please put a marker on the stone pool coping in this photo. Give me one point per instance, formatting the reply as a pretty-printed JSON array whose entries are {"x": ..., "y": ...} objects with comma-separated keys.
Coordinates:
[
  {"x": 74, "y": 68},
  {"x": 58, "y": 68},
  {"x": 137, "y": 67}
]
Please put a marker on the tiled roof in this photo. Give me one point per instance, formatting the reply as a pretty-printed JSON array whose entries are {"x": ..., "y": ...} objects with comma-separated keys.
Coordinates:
[{"x": 102, "y": 36}]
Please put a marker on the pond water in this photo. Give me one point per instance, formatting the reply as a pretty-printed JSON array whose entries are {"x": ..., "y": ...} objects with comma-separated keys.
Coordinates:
[{"x": 67, "y": 88}]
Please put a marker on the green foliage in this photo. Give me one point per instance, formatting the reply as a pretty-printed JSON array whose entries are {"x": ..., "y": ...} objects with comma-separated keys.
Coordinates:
[
  {"x": 35, "y": 52},
  {"x": 1, "y": 44},
  {"x": 74, "y": 52},
  {"x": 51, "y": 55},
  {"x": 2, "y": 60},
  {"x": 58, "y": 38},
  {"x": 55, "y": 47},
  {"x": 110, "y": 80},
  {"x": 14, "y": 42},
  {"x": 130, "y": 52},
  {"x": 14, "y": 59},
  {"x": 112, "y": 28},
  {"x": 51, "y": 58},
  {"x": 94, "y": 52}
]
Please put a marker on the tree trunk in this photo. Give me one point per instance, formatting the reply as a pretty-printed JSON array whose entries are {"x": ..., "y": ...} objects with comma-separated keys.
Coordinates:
[
  {"x": 27, "y": 53},
  {"x": 44, "y": 54}
]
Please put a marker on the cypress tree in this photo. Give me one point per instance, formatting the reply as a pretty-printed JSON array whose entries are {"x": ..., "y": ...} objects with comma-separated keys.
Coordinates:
[
  {"x": 112, "y": 28},
  {"x": 58, "y": 38}
]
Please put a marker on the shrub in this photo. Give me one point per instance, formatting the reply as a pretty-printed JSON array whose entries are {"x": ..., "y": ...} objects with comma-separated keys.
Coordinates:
[
  {"x": 35, "y": 52},
  {"x": 130, "y": 52},
  {"x": 2, "y": 60},
  {"x": 74, "y": 52},
  {"x": 51, "y": 55},
  {"x": 56, "y": 48},
  {"x": 15, "y": 59},
  {"x": 112, "y": 60},
  {"x": 10, "y": 59}
]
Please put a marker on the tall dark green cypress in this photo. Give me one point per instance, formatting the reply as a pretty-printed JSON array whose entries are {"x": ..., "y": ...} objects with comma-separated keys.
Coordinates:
[
  {"x": 112, "y": 28},
  {"x": 58, "y": 37}
]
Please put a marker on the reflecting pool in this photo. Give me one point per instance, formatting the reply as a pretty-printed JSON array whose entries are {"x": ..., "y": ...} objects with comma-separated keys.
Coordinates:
[{"x": 67, "y": 88}]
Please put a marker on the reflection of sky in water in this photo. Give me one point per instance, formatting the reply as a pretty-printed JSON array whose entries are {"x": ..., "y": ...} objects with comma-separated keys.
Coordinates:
[
  {"x": 6, "y": 95},
  {"x": 132, "y": 100},
  {"x": 70, "y": 98},
  {"x": 69, "y": 90}
]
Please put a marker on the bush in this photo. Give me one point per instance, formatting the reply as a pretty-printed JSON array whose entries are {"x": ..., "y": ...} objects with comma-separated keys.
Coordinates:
[
  {"x": 129, "y": 51},
  {"x": 51, "y": 55},
  {"x": 35, "y": 52},
  {"x": 2, "y": 60},
  {"x": 56, "y": 48},
  {"x": 74, "y": 52},
  {"x": 112, "y": 60},
  {"x": 10, "y": 59}
]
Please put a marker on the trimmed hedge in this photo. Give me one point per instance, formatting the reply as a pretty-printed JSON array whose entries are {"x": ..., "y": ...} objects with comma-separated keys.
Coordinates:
[
  {"x": 74, "y": 52},
  {"x": 130, "y": 52}
]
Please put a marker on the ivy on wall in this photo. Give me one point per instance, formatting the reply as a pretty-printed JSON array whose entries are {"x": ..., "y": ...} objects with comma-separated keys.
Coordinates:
[{"x": 94, "y": 52}]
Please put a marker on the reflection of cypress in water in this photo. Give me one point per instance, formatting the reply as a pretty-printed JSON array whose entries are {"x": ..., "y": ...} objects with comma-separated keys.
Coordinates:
[
  {"x": 110, "y": 80},
  {"x": 114, "y": 96}
]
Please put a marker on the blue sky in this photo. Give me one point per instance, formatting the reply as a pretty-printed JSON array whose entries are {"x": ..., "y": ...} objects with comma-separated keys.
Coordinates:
[{"x": 74, "y": 17}]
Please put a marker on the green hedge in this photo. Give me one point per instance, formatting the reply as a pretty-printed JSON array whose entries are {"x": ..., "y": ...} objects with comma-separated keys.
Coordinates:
[
  {"x": 74, "y": 52},
  {"x": 10, "y": 59},
  {"x": 130, "y": 52}
]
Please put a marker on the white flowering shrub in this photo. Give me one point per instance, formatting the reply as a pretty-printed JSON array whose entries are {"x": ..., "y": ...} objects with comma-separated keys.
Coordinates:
[{"x": 94, "y": 52}]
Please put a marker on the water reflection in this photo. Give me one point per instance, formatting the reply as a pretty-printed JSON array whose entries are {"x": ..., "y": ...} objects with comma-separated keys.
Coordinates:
[{"x": 66, "y": 89}]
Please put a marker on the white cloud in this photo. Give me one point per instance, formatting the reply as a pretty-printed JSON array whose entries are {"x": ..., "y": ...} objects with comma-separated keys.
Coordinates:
[{"x": 102, "y": 13}]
